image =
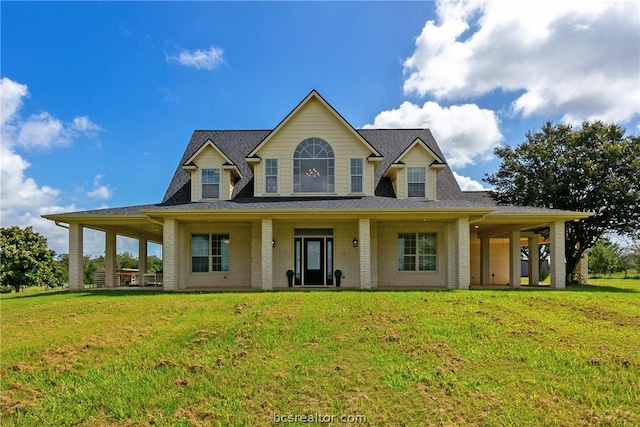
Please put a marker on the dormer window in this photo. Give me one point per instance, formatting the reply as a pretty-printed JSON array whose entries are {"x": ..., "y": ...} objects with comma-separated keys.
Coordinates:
[
  {"x": 210, "y": 183},
  {"x": 313, "y": 167},
  {"x": 416, "y": 182}
]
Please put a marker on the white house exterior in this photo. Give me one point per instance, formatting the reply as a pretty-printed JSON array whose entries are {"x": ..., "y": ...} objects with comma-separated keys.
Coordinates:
[{"x": 314, "y": 195}]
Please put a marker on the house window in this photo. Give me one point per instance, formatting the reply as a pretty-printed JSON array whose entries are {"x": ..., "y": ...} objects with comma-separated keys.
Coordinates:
[
  {"x": 356, "y": 175},
  {"x": 210, "y": 183},
  {"x": 209, "y": 252},
  {"x": 416, "y": 180},
  {"x": 271, "y": 175},
  {"x": 417, "y": 252},
  {"x": 313, "y": 167}
]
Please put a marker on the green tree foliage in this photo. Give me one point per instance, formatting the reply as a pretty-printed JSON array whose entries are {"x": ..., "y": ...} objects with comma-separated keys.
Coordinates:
[
  {"x": 126, "y": 260},
  {"x": 154, "y": 264},
  {"x": 592, "y": 169},
  {"x": 26, "y": 259},
  {"x": 90, "y": 266},
  {"x": 605, "y": 257}
]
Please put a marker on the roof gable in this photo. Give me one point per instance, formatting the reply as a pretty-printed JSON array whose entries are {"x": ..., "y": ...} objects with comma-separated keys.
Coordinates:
[
  {"x": 421, "y": 145},
  {"x": 313, "y": 96},
  {"x": 208, "y": 144}
]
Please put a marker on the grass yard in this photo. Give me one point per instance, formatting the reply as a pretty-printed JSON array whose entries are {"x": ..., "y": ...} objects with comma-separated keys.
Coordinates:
[{"x": 490, "y": 358}]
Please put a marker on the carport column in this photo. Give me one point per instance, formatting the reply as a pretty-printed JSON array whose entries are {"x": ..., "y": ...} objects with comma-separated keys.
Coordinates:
[
  {"x": 142, "y": 260},
  {"x": 76, "y": 259},
  {"x": 364, "y": 237},
  {"x": 464, "y": 268},
  {"x": 484, "y": 261},
  {"x": 515, "y": 264},
  {"x": 558, "y": 275},
  {"x": 452, "y": 258},
  {"x": 267, "y": 254},
  {"x": 583, "y": 267},
  {"x": 110, "y": 261},
  {"x": 534, "y": 261},
  {"x": 170, "y": 255}
]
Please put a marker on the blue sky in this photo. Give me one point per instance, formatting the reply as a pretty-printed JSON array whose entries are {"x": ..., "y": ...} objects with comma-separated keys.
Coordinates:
[{"x": 100, "y": 99}]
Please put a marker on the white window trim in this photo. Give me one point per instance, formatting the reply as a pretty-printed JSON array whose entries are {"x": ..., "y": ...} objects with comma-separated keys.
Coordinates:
[
  {"x": 202, "y": 184},
  {"x": 351, "y": 176},
  {"x": 210, "y": 255},
  {"x": 406, "y": 178},
  {"x": 277, "y": 177},
  {"x": 417, "y": 254}
]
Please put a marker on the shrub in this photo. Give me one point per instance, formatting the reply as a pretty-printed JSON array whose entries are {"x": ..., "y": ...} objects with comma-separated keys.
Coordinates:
[{"x": 544, "y": 273}]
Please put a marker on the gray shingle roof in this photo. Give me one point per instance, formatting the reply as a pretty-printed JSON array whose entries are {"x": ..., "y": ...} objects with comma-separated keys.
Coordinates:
[
  {"x": 237, "y": 144},
  {"x": 319, "y": 203}
]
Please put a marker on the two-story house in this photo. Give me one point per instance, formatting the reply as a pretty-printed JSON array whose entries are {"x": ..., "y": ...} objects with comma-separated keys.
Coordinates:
[{"x": 314, "y": 195}]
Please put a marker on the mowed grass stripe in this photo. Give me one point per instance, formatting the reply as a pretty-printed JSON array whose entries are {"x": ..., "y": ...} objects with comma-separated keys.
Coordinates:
[{"x": 530, "y": 357}]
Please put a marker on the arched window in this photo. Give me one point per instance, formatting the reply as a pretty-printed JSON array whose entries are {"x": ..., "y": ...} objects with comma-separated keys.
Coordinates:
[{"x": 313, "y": 167}]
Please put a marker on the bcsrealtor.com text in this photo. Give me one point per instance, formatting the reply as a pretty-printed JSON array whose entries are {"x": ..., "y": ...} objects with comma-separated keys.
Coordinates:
[{"x": 318, "y": 418}]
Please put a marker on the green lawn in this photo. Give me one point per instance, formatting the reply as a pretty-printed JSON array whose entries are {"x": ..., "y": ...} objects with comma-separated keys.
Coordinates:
[{"x": 490, "y": 357}]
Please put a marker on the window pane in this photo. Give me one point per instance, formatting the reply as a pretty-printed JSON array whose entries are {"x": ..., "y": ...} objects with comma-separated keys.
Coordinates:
[
  {"x": 199, "y": 253},
  {"x": 271, "y": 175},
  {"x": 406, "y": 252},
  {"x": 416, "y": 179},
  {"x": 200, "y": 264},
  {"x": 313, "y": 167},
  {"x": 210, "y": 183},
  {"x": 356, "y": 184},
  {"x": 427, "y": 248},
  {"x": 220, "y": 252},
  {"x": 356, "y": 175},
  {"x": 415, "y": 190}
]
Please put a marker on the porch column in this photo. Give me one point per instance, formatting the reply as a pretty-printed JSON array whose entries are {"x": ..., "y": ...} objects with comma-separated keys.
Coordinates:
[
  {"x": 452, "y": 256},
  {"x": 515, "y": 265},
  {"x": 267, "y": 254},
  {"x": 534, "y": 261},
  {"x": 76, "y": 258},
  {"x": 462, "y": 261},
  {"x": 583, "y": 267},
  {"x": 170, "y": 255},
  {"x": 364, "y": 237},
  {"x": 485, "y": 244},
  {"x": 558, "y": 271},
  {"x": 110, "y": 261},
  {"x": 142, "y": 260}
]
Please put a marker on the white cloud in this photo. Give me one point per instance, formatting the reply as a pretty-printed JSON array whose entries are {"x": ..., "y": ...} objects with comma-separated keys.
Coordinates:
[
  {"x": 465, "y": 133},
  {"x": 22, "y": 199},
  {"x": 468, "y": 184},
  {"x": 198, "y": 59},
  {"x": 574, "y": 58},
  {"x": 100, "y": 192}
]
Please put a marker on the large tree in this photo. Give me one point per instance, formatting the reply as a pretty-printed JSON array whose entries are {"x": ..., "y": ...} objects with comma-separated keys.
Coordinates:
[
  {"x": 595, "y": 168},
  {"x": 26, "y": 260}
]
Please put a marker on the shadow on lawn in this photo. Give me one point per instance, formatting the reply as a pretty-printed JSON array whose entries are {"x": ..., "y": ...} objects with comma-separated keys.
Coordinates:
[{"x": 600, "y": 288}]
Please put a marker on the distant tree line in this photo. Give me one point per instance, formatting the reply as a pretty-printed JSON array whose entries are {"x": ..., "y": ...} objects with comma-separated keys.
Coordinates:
[
  {"x": 607, "y": 257},
  {"x": 94, "y": 264},
  {"x": 26, "y": 260}
]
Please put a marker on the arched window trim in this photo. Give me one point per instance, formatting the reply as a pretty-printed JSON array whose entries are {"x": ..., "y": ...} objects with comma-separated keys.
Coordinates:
[{"x": 313, "y": 167}]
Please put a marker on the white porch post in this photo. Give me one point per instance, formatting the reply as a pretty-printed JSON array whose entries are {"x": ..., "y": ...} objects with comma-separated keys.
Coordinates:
[
  {"x": 452, "y": 258},
  {"x": 515, "y": 265},
  {"x": 534, "y": 261},
  {"x": 462, "y": 261},
  {"x": 583, "y": 267},
  {"x": 170, "y": 255},
  {"x": 110, "y": 262},
  {"x": 558, "y": 270},
  {"x": 76, "y": 258},
  {"x": 364, "y": 237},
  {"x": 142, "y": 260},
  {"x": 267, "y": 254},
  {"x": 485, "y": 245}
]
